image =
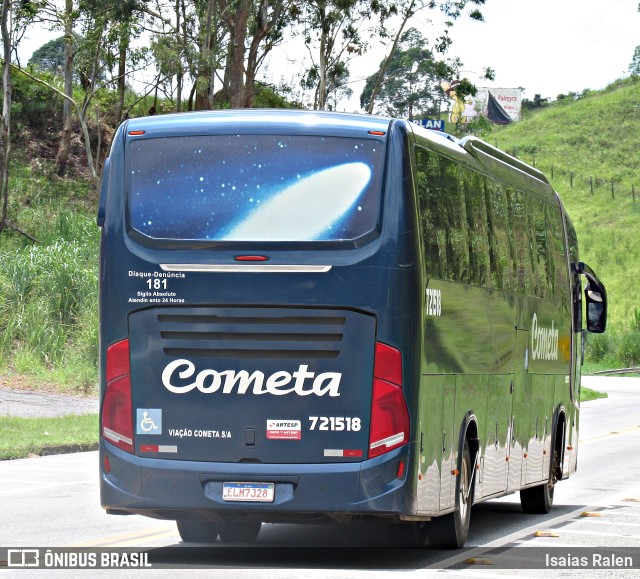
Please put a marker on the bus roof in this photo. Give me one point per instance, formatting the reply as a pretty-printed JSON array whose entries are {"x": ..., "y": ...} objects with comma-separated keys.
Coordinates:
[{"x": 259, "y": 121}]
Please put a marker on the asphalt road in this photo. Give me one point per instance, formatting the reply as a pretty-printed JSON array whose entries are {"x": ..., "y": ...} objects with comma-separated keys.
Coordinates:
[
  {"x": 53, "y": 501},
  {"x": 30, "y": 404}
]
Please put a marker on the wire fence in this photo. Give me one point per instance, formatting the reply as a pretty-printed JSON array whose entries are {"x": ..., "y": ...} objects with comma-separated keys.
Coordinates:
[{"x": 592, "y": 184}]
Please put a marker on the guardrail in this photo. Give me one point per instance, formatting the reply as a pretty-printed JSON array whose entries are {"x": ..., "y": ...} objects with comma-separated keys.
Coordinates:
[{"x": 618, "y": 371}]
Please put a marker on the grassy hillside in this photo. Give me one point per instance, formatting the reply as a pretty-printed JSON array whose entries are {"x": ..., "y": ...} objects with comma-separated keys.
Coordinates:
[{"x": 593, "y": 142}]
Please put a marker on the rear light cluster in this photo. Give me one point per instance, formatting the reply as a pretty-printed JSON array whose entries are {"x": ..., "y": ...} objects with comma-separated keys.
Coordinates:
[
  {"x": 389, "y": 415},
  {"x": 117, "y": 413}
]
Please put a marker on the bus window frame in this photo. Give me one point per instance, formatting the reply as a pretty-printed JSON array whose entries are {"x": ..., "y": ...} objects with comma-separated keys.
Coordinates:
[{"x": 203, "y": 244}]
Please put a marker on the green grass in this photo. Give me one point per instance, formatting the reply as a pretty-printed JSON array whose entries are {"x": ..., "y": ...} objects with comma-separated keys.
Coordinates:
[
  {"x": 24, "y": 437},
  {"x": 49, "y": 289},
  {"x": 587, "y": 394}
]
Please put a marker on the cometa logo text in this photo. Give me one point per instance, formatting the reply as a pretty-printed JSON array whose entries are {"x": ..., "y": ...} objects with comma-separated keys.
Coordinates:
[
  {"x": 544, "y": 341},
  {"x": 301, "y": 382}
]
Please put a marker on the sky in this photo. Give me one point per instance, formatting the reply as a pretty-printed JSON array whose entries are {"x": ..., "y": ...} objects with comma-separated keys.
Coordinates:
[
  {"x": 551, "y": 46},
  {"x": 547, "y": 47}
]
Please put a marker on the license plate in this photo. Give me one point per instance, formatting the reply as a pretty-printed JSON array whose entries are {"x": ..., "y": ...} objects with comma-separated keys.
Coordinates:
[{"x": 248, "y": 492}]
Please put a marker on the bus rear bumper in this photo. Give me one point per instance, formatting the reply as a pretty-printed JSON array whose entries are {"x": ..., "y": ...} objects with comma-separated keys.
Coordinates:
[{"x": 172, "y": 489}]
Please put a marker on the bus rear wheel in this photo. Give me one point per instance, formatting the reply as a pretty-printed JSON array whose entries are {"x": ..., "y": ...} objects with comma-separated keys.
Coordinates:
[
  {"x": 450, "y": 531},
  {"x": 408, "y": 535},
  {"x": 243, "y": 532},
  {"x": 538, "y": 500},
  {"x": 197, "y": 531}
]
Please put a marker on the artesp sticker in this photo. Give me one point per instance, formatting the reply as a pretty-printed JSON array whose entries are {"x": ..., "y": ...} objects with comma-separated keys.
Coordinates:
[{"x": 284, "y": 430}]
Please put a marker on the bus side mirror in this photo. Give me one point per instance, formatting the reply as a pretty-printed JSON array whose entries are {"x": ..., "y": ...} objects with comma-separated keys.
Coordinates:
[
  {"x": 596, "y": 297},
  {"x": 596, "y": 309}
]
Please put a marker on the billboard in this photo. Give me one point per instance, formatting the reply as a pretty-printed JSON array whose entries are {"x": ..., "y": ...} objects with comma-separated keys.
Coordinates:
[
  {"x": 509, "y": 99},
  {"x": 500, "y": 105}
]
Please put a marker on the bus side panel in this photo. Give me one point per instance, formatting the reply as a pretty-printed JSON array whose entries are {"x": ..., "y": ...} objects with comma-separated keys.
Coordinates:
[{"x": 494, "y": 434}]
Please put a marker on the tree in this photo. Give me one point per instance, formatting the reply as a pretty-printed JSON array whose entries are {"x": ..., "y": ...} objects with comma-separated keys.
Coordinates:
[
  {"x": 254, "y": 27},
  {"x": 334, "y": 32},
  {"x": 537, "y": 103},
  {"x": 5, "y": 126},
  {"x": 62, "y": 156},
  {"x": 211, "y": 36},
  {"x": 236, "y": 15},
  {"x": 50, "y": 56},
  {"x": 14, "y": 17},
  {"x": 124, "y": 27},
  {"x": 266, "y": 30},
  {"x": 634, "y": 66},
  {"x": 187, "y": 46},
  {"x": 452, "y": 9},
  {"x": 412, "y": 80}
]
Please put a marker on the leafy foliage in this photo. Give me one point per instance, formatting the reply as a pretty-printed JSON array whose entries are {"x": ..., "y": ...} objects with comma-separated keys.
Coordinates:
[
  {"x": 634, "y": 66},
  {"x": 48, "y": 291},
  {"x": 411, "y": 86}
]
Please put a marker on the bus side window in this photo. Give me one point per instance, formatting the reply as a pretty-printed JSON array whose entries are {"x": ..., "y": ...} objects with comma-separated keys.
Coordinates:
[
  {"x": 442, "y": 217},
  {"x": 432, "y": 238},
  {"x": 502, "y": 250},
  {"x": 535, "y": 247},
  {"x": 476, "y": 212},
  {"x": 558, "y": 259},
  {"x": 521, "y": 240}
]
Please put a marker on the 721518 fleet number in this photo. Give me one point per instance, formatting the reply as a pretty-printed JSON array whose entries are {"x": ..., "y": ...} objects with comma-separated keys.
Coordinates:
[{"x": 336, "y": 423}]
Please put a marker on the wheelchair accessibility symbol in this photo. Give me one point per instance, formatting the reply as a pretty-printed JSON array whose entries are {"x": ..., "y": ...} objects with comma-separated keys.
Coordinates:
[{"x": 149, "y": 421}]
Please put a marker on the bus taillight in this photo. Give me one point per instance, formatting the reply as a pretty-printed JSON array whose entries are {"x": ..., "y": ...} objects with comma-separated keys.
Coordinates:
[
  {"x": 389, "y": 415},
  {"x": 117, "y": 413}
]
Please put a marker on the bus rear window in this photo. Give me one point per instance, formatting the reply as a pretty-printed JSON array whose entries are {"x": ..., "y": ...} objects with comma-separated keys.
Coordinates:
[{"x": 254, "y": 187}]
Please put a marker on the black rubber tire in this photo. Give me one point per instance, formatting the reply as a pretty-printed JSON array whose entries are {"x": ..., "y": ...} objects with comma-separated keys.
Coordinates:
[
  {"x": 197, "y": 531},
  {"x": 408, "y": 535},
  {"x": 538, "y": 500},
  {"x": 243, "y": 532},
  {"x": 450, "y": 531}
]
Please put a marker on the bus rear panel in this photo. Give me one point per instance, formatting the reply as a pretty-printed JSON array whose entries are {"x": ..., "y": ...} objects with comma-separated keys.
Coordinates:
[{"x": 258, "y": 319}]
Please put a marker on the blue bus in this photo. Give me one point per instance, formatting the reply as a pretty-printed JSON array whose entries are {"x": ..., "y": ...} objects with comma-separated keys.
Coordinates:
[{"x": 315, "y": 317}]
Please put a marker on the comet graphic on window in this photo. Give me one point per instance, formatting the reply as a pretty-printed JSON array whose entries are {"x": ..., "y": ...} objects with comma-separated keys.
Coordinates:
[{"x": 307, "y": 207}]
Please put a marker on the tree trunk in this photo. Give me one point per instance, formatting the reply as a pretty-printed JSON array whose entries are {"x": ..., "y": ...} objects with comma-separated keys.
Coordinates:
[
  {"x": 62, "y": 156},
  {"x": 123, "y": 50},
  {"x": 236, "y": 69},
  {"x": 204, "y": 82},
  {"x": 387, "y": 60},
  {"x": 325, "y": 50},
  {"x": 264, "y": 25},
  {"x": 179, "y": 76},
  {"x": 5, "y": 127}
]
